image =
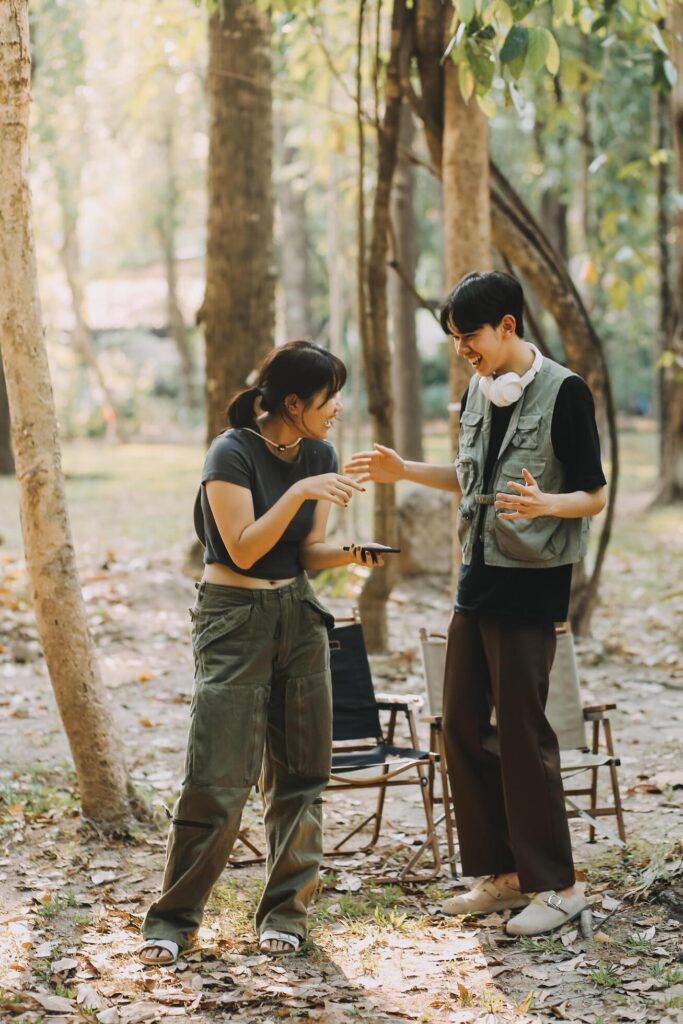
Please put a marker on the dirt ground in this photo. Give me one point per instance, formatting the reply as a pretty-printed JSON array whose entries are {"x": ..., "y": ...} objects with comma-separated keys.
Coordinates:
[{"x": 71, "y": 902}]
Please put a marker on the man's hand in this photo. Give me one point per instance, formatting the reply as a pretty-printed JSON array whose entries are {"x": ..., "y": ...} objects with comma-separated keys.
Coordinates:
[
  {"x": 383, "y": 465},
  {"x": 529, "y": 501}
]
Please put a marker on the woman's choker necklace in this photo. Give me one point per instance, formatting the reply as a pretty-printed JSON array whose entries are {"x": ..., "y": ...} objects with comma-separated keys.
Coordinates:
[{"x": 280, "y": 447}]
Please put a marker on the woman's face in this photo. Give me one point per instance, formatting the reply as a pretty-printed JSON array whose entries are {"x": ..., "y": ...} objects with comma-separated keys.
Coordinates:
[{"x": 315, "y": 418}]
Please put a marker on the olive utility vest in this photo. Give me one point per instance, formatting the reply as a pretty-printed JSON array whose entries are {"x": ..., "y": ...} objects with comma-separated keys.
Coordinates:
[{"x": 540, "y": 543}]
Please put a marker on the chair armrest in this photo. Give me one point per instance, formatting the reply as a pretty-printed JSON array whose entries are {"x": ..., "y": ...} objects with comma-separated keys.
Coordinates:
[
  {"x": 402, "y": 702},
  {"x": 596, "y": 712}
]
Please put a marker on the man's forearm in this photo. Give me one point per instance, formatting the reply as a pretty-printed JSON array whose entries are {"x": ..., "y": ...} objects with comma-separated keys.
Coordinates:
[
  {"x": 442, "y": 477},
  {"x": 576, "y": 504}
]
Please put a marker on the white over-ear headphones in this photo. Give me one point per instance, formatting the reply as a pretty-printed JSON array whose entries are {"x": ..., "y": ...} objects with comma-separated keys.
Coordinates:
[{"x": 506, "y": 390}]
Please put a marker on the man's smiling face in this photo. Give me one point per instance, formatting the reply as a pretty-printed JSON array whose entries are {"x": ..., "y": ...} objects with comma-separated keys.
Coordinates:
[{"x": 486, "y": 349}]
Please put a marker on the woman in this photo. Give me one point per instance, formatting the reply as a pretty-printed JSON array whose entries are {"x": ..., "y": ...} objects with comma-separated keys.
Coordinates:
[{"x": 262, "y": 698}]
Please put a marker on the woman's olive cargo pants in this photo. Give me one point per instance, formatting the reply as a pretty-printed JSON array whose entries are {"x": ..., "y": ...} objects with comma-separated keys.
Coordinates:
[{"x": 262, "y": 697}]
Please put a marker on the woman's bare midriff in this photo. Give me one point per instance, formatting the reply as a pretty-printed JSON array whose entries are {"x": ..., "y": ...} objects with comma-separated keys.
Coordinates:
[{"x": 217, "y": 573}]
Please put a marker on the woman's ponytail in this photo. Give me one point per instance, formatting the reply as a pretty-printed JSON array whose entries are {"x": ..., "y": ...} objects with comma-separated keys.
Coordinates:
[{"x": 241, "y": 409}]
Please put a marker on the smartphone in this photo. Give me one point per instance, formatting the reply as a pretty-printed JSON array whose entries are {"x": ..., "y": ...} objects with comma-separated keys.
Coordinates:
[{"x": 381, "y": 549}]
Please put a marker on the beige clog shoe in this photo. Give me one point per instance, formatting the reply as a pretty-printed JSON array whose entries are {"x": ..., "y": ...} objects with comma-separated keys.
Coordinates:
[{"x": 486, "y": 897}]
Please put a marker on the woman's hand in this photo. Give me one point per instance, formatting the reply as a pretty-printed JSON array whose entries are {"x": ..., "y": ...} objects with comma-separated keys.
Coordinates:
[
  {"x": 364, "y": 555},
  {"x": 529, "y": 502},
  {"x": 332, "y": 487},
  {"x": 382, "y": 465}
]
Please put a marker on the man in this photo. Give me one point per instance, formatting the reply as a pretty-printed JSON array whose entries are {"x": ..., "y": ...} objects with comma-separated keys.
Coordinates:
[{"x": 529, "y": 473}]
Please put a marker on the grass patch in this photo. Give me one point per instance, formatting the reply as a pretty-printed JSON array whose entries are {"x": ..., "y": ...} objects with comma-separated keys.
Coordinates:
[
  {"x": 546, "y": 944},
  {"x": 235, "y": 904},
  {"x": 56, "y": 904},
  {"x": 606, "y": 976}
]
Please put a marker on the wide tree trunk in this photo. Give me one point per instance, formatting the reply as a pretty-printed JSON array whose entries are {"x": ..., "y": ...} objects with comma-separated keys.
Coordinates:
[
  {"x": 671, "y": 372},
  {"x": 6, "y": 454},
  {"x": 402, "y": 302},
  {"x": 239, "y": 301},
  {"x": 294, "y": 261},
  {"x": 375, "y": 339},
  {"x": 50, "y": 559},
  {"x": 166, "y": 230}
]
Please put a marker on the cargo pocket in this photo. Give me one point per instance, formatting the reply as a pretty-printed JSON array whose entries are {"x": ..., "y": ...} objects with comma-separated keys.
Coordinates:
[
  {"x": 308, "y": 725},
  {"x": 319, "y": 611},
  {"x": 227, "y": 734},
  {"x": 208, "y": 629}
]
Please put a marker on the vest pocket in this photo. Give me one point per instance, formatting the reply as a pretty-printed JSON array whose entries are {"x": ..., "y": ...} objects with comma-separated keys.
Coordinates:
[
  {"x": 526, "y": 432},
  {"x": 529, "y": 540},
  {"x": 469, "y": 426},
  {"x": 464, "y": 468}
]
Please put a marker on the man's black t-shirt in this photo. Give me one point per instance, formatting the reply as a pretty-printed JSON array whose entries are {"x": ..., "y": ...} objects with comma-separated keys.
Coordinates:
[
  {"x": 536, "y": 595},
  {"x": 239, "y": 457}
]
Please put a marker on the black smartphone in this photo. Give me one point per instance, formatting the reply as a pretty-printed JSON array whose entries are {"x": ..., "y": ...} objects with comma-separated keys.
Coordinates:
[{"x": 381, "y": 549}]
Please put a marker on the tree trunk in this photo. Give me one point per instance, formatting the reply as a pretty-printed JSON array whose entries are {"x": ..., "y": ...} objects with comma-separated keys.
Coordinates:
[
  {"x": 375, "y": 340},
  {"x": 51, "y": 564},
  {"x": 6, "y": 454},
  {"x": 81, "y": 336},
  {"x": 291, "y": 197},
  {"x": 239, "y": 301},
  {"x": 406, "y": 359},
  {"x": 337, "y": 303},
  {"x": 166, "y": 230},
  {"x": 671, "y": 372},
  {"x": 518, "y": 236}
]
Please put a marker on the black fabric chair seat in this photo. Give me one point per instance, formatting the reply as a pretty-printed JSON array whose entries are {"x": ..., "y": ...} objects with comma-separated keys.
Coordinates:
[{"x": 378, "y": 756}]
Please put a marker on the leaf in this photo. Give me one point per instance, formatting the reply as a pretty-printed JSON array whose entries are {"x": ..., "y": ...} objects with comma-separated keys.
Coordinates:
[
  {"x": 465, "y": 81},
  {"x": 515, "y": 45},
  {"x": 487, "y": 106},
  {"x": 54, "y": 1004},
  {"x": 67, "y": 963},
  {"x": 537, "y": 49},
  {"x": 553, "y": 59},
  {"x": 466, "y": 10},
  {"x": 100, "y": 877}
]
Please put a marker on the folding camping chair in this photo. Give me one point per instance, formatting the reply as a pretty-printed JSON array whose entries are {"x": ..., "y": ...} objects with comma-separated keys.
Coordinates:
[
  {"x": 567, "y": 717},
  {"x": 377, "y": 762}
]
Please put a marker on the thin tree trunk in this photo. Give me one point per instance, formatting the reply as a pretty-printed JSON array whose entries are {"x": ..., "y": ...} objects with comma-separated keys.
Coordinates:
[
  {"x": 239, "y": 301},
  {"x": 291, "y": 197},
  {"x": 375, "y": 339},
  {"x": 671, "y": 373},
  {"x": 336, "y": 308},
  {"x": 6, "y": 454},
  {"x": 50, "y": 559},
  {"x": 82, "y": 337},
  {"x": 406, "y": 361},
  {"x": 166, "y": 230}
]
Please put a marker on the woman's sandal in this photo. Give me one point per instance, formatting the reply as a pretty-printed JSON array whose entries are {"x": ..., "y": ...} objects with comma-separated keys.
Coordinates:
[
  {"x": 270, "y": 935},
  {"x": 168, "y": 944}
]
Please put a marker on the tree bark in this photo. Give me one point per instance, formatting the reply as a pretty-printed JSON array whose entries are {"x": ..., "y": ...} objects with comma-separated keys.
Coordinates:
[
  {"x": 6, "y": 453},
  {"x": 51, "y": 564},
  {"x": 375, "y": 341},
  {"x": 406, "y": 360},
  {"x": 291, "y": 197},
  {"x": 239, "y": 301},
  {"x": 671, "y": 358}
]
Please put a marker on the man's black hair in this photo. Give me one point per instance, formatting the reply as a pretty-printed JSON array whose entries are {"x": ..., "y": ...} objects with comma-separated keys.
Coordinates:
[{"x": 483, "y": 298}]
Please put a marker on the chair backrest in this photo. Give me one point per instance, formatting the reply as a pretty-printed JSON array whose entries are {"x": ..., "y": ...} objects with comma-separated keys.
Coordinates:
[
  {"x": 355, "y": 712},
  {"x": 564, "y": 710},
  {"x": 433, "y": 648}
]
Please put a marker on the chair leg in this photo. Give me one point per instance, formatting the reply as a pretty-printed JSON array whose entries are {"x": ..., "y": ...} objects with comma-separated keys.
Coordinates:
[
  {"x": 446, "y": 796},
  {"x": 381, "y": 796},
  {"x": 594, "y": 781},
  {"x": 616, "y": 795}
]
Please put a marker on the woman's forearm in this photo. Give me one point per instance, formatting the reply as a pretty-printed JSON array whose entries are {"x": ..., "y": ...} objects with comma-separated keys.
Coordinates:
[{"x": 324, "y": 556}]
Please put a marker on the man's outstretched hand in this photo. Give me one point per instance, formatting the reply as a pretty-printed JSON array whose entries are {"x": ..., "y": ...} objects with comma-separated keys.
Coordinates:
[{"x": 381, "y": 465}]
